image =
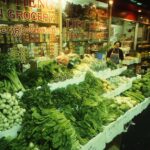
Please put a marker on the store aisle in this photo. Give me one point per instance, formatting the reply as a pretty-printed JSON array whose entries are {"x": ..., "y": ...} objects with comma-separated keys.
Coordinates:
[{"x": 138, "y": 136}]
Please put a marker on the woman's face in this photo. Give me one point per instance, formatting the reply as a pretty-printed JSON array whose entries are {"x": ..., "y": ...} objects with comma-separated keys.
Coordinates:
[{"x": 117, "y": 45}]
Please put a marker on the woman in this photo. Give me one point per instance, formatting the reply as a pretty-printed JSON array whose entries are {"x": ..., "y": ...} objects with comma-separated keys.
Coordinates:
[{"x": 115, "y": 54}]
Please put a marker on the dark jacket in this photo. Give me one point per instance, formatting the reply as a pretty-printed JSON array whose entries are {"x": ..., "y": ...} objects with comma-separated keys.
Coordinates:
[{"x": 120, "y": 53}]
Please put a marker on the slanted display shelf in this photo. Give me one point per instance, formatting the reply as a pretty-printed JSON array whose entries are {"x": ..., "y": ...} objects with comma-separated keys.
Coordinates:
[{"x": 115, "y": 128}]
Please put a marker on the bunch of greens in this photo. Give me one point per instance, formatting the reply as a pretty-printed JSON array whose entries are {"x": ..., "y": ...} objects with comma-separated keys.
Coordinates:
[
  {"x": 5, "y": 143},
  {"x": 98, "y": 66},
  {"x": 37, "y": 97},
  {"x": 140, "y": 88},
  {"x": 83, "y": 112},
  {"x": 44, "y": 127},
  {"x": 47, "y": 73},
  {"x": 111, "y": 65},
  {"x": 8, "y": 74},
  {"x": 85, "y": 108},
  {"x": 129, "y": 73},
  {"x": 62, "y": 118}
]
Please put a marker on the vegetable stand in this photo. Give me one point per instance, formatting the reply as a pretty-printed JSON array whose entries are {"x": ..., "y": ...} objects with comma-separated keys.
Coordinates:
[
  {"x": 115, "y": 128},
  {"x": 75, "y": 80},
  {"x": 62, "y": 84},
  {"x": 111, "y": 127}
]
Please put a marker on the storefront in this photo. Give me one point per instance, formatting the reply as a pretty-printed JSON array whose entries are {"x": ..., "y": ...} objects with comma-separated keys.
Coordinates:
[{"x": 59, "y": 89}]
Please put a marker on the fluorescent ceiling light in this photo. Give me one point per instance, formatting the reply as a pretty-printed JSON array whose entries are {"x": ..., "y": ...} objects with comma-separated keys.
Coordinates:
[
  {"x": 139, "y": 4},
  {"x": 101, "y": 4}
]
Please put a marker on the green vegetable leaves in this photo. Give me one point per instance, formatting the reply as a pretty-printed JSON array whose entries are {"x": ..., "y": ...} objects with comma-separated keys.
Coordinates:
[{"x": 8, "y": 71}]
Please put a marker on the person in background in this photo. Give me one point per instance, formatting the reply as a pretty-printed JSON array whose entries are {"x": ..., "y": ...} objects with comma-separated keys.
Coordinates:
[{"x": 115, "y": 54}]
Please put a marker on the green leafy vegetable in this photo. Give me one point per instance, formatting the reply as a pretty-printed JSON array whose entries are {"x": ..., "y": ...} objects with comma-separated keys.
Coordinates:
[{"x": 8, "y": 70}]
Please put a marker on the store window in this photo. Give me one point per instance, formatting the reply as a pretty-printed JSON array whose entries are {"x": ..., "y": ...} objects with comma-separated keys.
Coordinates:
[
  {"x": 30, "y": 29},
  {"x": 85, "y": 26}
]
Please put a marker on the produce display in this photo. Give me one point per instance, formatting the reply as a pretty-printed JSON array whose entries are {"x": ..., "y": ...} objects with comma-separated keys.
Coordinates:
[
  {"x": 48, "y": 73},
  {"x": 111, "y": 65},
  {"x": 118, "y": 80},
  {"x": 44, "y": 127},
  {"x": 84, "y": 65},
  {"x": 79, "y": 69},
  {"x": 134, "y": 95},
  {"x": 65, "y": 118},
  {"x": 128, "y": 73},
  {"x": 107, "y": 86},
  {"x": 125, "y": 103},
  {"x": 98, "y": 66},
  {"x": 9, "y": 80},
  {"x": 10, "y": 111},
  {"x": 113, "y": 83},
  {"x": 141, "y": 87},
  {"x": 81, "y": 104}
]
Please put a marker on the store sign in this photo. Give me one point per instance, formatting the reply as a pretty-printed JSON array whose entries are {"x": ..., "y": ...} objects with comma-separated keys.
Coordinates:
[
  {"x": 19, "y": 30},
  {"x": 77, "y": 29},
  {"x": 29, "y": 10},
  {"x": 87, "y": 25}
]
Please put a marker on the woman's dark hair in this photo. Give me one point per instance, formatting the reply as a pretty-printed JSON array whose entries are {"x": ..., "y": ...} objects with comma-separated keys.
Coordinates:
[{"x": 118, "y": 42}]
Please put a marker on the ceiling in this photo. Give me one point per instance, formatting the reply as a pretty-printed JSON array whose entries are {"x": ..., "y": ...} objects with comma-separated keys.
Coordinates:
[
  {"x": 145, "y": 4},
  {"x": 140, "y": 3},
  {"x": 129, "y": 9}
]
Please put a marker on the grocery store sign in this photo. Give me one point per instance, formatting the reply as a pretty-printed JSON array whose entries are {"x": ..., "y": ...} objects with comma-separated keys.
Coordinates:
[
  {"x": 29, "y": 10},
  {"x": 19, "y": 30}
]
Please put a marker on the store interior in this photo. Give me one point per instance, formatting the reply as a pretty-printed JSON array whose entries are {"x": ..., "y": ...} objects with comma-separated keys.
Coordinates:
[{"x": 74, "y": 75}]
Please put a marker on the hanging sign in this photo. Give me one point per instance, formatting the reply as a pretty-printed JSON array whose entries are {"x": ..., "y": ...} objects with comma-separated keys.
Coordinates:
[{"x": 43, "y": 11}]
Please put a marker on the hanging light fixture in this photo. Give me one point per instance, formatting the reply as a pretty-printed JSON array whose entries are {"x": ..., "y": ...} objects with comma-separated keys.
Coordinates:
[
  {"x": 110, "y": 2},
  {"x": 139, "y": 10}
]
